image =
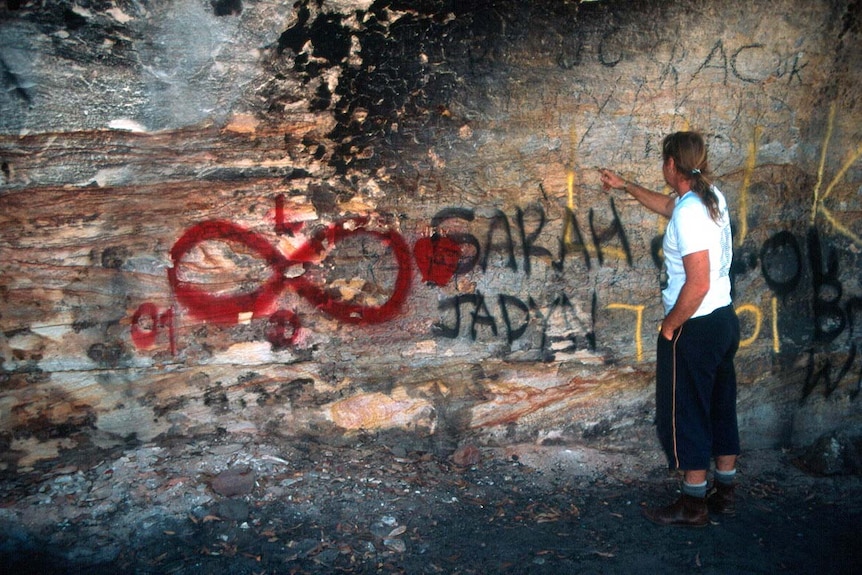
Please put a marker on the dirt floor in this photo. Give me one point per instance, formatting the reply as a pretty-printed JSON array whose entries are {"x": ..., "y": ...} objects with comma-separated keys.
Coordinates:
[{"x": 234, "y": 505}]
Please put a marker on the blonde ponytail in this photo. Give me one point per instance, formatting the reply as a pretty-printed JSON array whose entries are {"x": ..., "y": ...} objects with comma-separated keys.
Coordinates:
[{"x": 688, "y": 151}]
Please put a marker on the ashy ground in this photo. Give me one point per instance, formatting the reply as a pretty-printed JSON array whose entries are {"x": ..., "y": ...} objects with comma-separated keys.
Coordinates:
[{"x": 239, "y": 505}]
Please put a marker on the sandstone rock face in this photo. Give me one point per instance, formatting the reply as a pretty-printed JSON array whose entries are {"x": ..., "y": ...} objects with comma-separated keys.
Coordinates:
[{"x": 334, "y": 218}]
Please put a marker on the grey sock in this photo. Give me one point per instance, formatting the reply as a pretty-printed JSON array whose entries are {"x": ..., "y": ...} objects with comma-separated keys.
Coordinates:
[
  {"x": 725, "y": 477},
  {"x": 694, "y": 489}
]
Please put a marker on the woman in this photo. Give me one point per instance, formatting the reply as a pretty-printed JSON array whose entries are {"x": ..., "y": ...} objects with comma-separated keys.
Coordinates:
[{"x": 699, "y": 336}]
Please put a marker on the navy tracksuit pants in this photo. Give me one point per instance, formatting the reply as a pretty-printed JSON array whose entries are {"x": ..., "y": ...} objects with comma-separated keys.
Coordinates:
[{"x": 696, "y": 390}]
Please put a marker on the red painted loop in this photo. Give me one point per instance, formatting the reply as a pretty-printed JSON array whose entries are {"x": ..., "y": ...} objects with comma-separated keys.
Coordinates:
[
  {"x": 344, "y": 311},
  {"x": 226, "y": 309}
]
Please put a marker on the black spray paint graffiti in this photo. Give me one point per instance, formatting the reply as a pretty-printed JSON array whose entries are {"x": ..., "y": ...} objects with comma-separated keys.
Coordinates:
[
  {"x": 830, "y": 319},
  {"x": 789, "y": 66},
  {"x": 514, "y": 313},
  {"x": 480, "y": 316},
  {"x": 743, "y": 63},
  {"x": 782, "y": 266},
  {"x": 571, "y": 239}
]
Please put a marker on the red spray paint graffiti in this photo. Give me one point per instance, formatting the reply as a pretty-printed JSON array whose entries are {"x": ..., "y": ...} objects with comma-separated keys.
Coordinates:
[
  {"x": 146, "y": 322},
  {"x": 225, "y": 309},
  {"x": 203, "y": 305},
  {"x": 283, "y": 324},
  {"x": 438, "y": 258}
]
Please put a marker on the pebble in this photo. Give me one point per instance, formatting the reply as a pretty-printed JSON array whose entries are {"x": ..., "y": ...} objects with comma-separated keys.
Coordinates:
[
  {"x": 395, "y": 545},
  {"x": 234, "y": 482}
]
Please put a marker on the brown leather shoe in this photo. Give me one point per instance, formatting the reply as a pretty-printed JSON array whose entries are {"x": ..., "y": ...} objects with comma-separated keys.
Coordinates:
[
  {"x": 687, "y": 511},
  {"x": 721, "y": 499}
]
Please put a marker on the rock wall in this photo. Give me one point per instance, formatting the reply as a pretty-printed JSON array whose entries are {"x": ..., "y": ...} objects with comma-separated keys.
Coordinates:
[{"x": 383, "y": 219}]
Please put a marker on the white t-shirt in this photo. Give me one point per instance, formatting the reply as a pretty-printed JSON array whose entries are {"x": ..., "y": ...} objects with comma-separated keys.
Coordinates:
[{"x": 691, "y": 230}]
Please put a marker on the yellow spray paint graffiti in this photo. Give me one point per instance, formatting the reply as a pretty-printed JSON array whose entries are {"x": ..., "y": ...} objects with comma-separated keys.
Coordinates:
[
  {"x": 758, "y": 322},
  {"x": 743, "y": 309},
  {"x": 639, "y": 318},
  {"x": 818, "y": 207},
  {"x": 750, "y": 164}
]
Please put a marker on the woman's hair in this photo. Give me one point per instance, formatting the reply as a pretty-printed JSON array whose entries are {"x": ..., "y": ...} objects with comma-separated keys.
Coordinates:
[{"x": 688, "y": 151}]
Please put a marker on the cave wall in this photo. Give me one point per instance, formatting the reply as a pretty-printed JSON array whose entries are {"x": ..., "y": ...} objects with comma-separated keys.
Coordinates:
[{"x": 332, "y": 219}]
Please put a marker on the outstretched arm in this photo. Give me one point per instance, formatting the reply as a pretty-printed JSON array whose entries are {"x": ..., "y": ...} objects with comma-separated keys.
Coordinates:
[{"x": 653, "y": 201}]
